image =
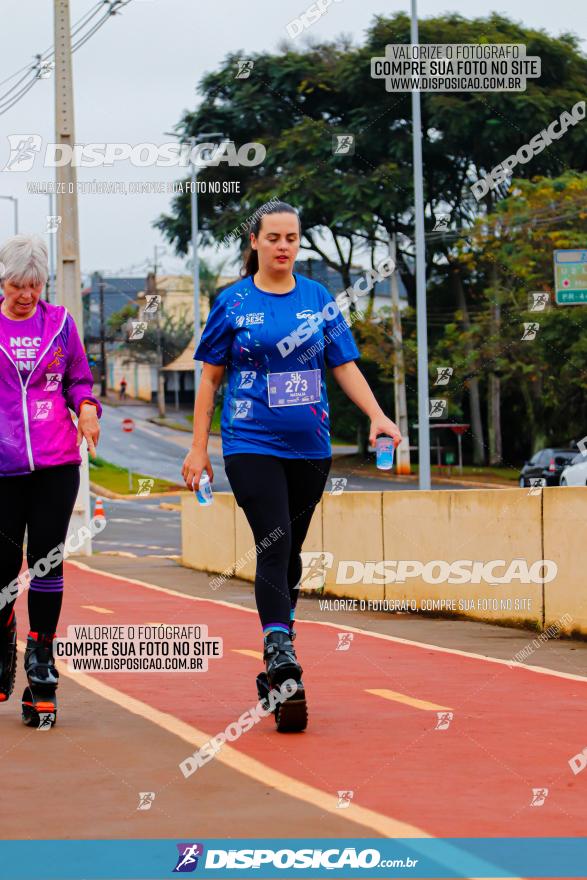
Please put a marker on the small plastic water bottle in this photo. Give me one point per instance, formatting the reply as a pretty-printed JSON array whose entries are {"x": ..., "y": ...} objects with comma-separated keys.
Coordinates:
[
  {"x": 384, "y": 448},
  {"x": 204, "y": 492}
]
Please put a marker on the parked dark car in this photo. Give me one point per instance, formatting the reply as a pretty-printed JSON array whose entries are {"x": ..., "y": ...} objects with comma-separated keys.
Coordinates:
[{"x": 547, "y": 466}]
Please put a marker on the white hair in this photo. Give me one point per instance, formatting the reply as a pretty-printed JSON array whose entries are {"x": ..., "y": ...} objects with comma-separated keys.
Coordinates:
[{"x": 24, "y": 260}]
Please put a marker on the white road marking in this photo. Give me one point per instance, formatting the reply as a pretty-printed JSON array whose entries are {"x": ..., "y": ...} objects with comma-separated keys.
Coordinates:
[{"x": 98, "y": 609}]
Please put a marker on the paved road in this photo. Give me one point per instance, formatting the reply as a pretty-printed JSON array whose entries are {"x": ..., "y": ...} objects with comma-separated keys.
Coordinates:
[
  {"x": 139, "y": 527},
  {"x": 150, "y": 449}
]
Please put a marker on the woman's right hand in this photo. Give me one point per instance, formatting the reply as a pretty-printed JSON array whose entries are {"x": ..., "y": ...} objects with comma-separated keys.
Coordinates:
[{"x": 194, "y": 463}]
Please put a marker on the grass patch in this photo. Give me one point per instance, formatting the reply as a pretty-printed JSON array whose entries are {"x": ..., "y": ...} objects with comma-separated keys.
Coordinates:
[
  {"x": 115, "y": 478},
  {"x": 487, "y": 473}
]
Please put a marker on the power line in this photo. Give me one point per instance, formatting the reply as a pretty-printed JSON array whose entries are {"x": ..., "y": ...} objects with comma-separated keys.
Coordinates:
[
  {"x": 35, "y": 68},
  {"x": 8, "y": 100},
  {"x": 16, "y": 98},
  {"x": 120, "y": 4}
]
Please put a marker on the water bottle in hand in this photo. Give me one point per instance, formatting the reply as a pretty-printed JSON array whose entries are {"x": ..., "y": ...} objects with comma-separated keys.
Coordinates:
[
  {"x": 384, "y": 448},
  {"x": 204, "y": 492}
]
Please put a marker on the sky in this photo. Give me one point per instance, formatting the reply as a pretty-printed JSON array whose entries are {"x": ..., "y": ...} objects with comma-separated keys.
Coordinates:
[{"x": 138, "y": 74}]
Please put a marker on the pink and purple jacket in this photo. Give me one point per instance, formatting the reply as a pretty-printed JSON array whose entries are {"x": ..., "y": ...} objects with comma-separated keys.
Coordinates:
[{"x": 36, "y": 427}]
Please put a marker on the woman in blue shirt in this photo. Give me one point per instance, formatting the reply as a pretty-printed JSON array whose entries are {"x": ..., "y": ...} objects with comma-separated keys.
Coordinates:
[{"x": 275, "y": 332}]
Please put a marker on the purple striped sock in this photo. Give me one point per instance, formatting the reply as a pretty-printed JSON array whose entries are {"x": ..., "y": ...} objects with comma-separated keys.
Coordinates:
[{"x": 47, "y": 585}]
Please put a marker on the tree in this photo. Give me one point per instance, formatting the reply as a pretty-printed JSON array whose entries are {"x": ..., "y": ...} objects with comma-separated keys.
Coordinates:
[
  {"x": 209, "y": 276},
  {"x": 176, "y": 334},
  {"x": 508, "y": 257},
  {"x": 118, "y": 321},
  {"x": 296, "y": 103}
]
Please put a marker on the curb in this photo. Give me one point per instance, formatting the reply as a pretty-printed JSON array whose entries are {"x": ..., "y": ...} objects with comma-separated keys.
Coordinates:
[
  {"x": 125, "y": 555},
  {"x": 477, "y": 485},
  {"x": 435, "y": 480},
  {"x": 175, "y": 427}
]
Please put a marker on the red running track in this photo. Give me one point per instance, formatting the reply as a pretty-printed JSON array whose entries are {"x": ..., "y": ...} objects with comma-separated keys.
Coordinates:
[{"x": 513, "y": 729}]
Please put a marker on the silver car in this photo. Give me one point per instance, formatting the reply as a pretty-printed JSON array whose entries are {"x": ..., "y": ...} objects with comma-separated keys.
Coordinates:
[{"x": 575, "y": 474}]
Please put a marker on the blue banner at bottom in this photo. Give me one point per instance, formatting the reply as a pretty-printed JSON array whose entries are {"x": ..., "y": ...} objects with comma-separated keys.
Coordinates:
[{"x": 300, "y": 857}]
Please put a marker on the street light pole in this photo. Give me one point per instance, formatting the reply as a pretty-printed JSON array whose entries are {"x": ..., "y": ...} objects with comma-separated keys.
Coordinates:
[
  {"x": 193, "y": 141},
  {"x": 195, "y": 269},
  {"x": 399, "y": 370},
  {"x": 421, "y": 318}
]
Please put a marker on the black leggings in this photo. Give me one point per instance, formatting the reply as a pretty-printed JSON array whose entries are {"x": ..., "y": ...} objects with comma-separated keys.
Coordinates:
[
  {"x": 41, "y": 501},
  {"x": 274, "y": 493}
]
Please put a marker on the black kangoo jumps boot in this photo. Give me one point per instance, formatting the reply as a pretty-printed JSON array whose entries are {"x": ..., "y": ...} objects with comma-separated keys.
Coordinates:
[
  {"x": 282, "y": 665},
  {"x": 39, "y": 703}
]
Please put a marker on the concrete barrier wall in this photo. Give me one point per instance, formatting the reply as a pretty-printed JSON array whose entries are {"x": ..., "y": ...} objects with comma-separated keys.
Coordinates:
[
  {"x": 208, "y": 538},
  {"x": 353, "y": 534},
  {"x": 565, "y": 540},
  {"x": 480, "y": 524},
  {"x": 353, "y": 529}
]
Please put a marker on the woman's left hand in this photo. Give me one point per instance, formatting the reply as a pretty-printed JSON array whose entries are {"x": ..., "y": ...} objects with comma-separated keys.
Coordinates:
[
  {"x": 88, "y": 426},
  {"x": 380, "y": 424}
]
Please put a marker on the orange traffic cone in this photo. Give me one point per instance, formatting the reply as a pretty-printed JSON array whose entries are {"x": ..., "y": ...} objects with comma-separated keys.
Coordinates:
[{"x": 99, "y": 508}]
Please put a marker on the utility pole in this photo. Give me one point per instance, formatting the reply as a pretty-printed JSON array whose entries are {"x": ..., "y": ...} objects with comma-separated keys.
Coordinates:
[
  {"x": 68, "y": 281},
  {"x": 103, "y": 387},
  {"x": 421, "y": 317},
  {"x": 68, "y": 268},
  {"x": 399, "y": 372},
  {"x": 160, "y": 376}
]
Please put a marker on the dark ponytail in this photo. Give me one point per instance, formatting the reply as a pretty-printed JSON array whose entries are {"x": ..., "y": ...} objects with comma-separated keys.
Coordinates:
[
  {"x": 251, "y": 262},
  {"x": 251, "y": 257}
]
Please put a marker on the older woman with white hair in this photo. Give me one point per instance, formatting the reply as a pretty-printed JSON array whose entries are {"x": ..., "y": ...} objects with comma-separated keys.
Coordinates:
[{"x": 44, "y": 373}]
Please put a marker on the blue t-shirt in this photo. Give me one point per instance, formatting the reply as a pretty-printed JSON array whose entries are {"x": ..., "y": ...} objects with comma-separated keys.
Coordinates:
[{"x": 276, "y": 347}]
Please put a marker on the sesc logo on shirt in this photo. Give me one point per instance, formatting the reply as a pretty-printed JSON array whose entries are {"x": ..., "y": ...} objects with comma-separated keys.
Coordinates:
[{"x": 250, "y": 318}]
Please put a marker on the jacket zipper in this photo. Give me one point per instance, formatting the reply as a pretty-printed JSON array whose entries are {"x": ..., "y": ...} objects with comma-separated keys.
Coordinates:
[
  {"x": 27, "y": 435},
  {"x": 24, "y": 387}
]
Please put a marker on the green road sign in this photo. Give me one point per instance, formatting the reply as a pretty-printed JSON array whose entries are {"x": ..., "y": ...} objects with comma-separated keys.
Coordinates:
[
  {"x": 449, "y": 458},
  {"x": 570, "y": 277}
]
